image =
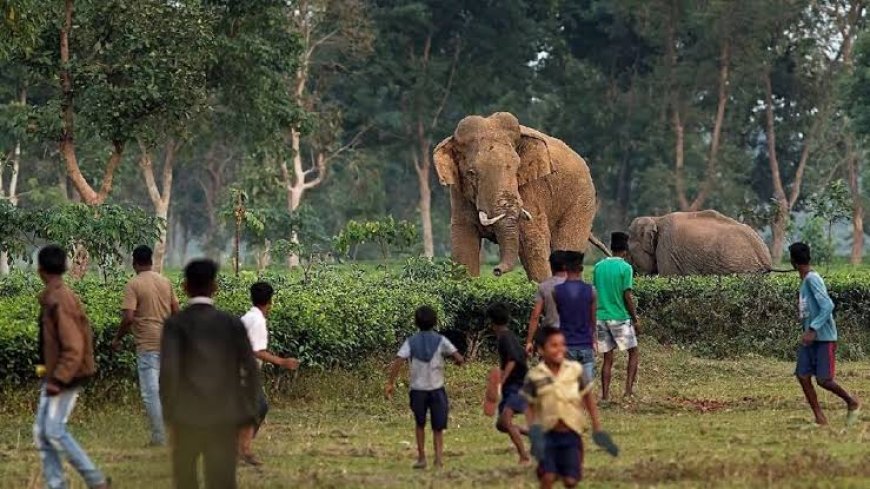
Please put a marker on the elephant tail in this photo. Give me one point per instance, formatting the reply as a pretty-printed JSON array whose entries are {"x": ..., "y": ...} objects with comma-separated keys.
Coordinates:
[
  {"x": 598, "y": 244},
  {"x": 779, "y": 270}
]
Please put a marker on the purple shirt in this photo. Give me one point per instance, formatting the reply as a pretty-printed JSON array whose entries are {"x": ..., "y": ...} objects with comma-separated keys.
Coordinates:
[{"x": 574, "y": 301}]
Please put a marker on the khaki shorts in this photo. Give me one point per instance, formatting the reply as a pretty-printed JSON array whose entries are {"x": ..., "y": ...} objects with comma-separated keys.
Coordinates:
[{"x": 616, "y": 334}]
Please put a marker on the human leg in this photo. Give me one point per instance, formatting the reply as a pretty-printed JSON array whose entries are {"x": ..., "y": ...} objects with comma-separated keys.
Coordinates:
[
  {"x": 825, "y": 372},
  {"x": 148, "y": 366},
  {"x": 219, "y": 457},
  {"x": 506, "y": 424},
  {"x": 419, "y": 401},
  {"x": 806, "y": 367},
  {"x": 606, "y": 374},
  {"x": 52, "y": 465},
  {"x": 186, "y": 449},
  {"x": 57, "y": 413},
  {"x": 439, "y": 409},
  {"x": 631, "y": 378}
]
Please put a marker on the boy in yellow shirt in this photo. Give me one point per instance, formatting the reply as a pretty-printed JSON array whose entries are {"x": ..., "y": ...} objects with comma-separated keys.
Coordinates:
[{"x": 557, "y": 396}]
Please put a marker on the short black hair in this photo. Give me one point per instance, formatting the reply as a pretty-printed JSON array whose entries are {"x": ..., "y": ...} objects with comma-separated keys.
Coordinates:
[
  {"x": 800, "y": 253},
  {"x": 425, "y": 318},
  {"x": 498, "y": 314},
  {"x": 143, "y": 255},
  {"x": 261, "y": 294},
  {"x": 618, "y": 241},
  {"x": 573, "y": 261},
  {"x": 544, "y": 334},
  {"x": 557, "y": 261},
  {"x": 200, "y": 276},
  {"x": 52, "y": 260}
]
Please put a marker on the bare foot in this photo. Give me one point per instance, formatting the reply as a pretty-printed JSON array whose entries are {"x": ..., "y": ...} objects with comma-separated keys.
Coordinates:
[
  {"x": 421, "y": 464},
  {"x": 822, "y": 421},
  {"x": 439, "y": 464},
  {"x": 525, "y": 461}
]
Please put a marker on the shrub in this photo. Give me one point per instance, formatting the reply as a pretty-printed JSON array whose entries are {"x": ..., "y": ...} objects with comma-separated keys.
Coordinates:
[{"x": 341, "y": 316}]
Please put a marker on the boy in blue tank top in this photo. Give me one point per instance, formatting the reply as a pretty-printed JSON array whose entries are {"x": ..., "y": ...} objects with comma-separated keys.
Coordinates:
[{"x": 576, "y": 303}]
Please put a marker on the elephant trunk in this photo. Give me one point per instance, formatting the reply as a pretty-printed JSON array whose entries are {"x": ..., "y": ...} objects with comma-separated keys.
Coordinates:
[{"x": 507, "y": 233}]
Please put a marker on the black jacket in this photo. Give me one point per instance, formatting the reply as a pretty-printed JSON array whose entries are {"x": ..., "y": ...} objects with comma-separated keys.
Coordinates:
[{"x": 208, "y": 374}]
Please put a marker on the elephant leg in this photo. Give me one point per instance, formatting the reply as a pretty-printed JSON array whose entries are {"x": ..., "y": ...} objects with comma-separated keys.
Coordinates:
[
  {"x": 573, "y": 230},
  {"x": 535, "y": 249},
  {"x": 465, "y": 243}
]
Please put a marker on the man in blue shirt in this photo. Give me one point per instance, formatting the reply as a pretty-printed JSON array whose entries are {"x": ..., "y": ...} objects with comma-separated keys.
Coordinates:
[{"x": 817, "y": 353}]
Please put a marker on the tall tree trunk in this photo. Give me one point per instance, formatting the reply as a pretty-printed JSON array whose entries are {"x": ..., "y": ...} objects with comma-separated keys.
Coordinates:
[
  {"x": 160, "y": 198},
  {"x": 713, "y": 157},
  {"x": 67, "y": 138},
  {"x": 12, "y": 193},
  {"x": 781, "y": 218},
  {"x": 854, "y": 164},
  {"x": 423, "y": 166},
  {"x": 679, "y": 160}
]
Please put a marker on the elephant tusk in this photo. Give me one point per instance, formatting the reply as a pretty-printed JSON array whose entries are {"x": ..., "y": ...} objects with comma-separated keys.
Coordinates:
[
  {"x": 486, "y": 221},
  {"x": 527, "y": 215}
]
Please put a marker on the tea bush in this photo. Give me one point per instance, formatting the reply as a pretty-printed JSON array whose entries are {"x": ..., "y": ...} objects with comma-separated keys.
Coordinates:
[{"x": 340, "y": 316}]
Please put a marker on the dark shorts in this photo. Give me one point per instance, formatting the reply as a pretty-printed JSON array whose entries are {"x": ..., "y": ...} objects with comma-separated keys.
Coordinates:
[
  {"x": 818, "y": 359},
  {"x": 435, "y": 402},
  {"x": 564, "y": 455},
  {"x": 262, "y": 410},
  {"x": 511, "y": 398}
]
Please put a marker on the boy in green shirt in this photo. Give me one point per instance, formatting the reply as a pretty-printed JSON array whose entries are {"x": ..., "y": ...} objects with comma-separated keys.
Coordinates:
[{"x": 618, "y": 324}]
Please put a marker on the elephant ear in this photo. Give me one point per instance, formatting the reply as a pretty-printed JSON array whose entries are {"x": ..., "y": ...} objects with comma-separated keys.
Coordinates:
[
  {"x": 650, "y": 237},
  {"x": 535, "y": 159},
  {"x": 446, "y": 164}
]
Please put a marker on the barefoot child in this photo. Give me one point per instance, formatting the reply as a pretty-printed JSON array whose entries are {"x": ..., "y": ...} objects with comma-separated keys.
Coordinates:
[
  {"x": 258, "y": 334},
  {"x": 817, "y": 354},
  {"x": 426, "y": 351},
  {"x": 512, "y": 362},
  {"x": 558, "y": 396}
]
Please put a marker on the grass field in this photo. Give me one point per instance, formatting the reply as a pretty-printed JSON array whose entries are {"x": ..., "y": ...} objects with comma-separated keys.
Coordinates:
[{"x": 694, "y": 423}]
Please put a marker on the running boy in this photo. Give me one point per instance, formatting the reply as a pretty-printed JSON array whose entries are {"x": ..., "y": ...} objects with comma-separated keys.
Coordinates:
[
  {"x": 426, "y": 351},
  {"x": 817, "y": 353},
  {"x": 512, "y": 362},
  {"x": 618, "y": 325},
  {"x": 544, "y": 305},
  {"x": 556, "y": 390},
  {"x": 576, "y": 302},
  {"x": 258, "y": 333}
]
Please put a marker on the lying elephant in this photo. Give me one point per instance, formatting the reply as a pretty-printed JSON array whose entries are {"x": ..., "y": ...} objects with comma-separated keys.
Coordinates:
[
  {"x": 515, "y": 186},
  {"x": 696, "y": 243}
]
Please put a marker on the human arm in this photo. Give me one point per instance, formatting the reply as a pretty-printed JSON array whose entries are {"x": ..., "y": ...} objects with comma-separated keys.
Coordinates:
[
  {"x": 127, "y": 317},
  {"x": 170, "y": 369},
  {"x": 591, "y": 407},
  {"x": 506, "y": 373},
  {"x": 458, "y": 359},
  {"x": 71, "y": 342},
  {"x": 534, "y": 321},
  {"x": 593, "y": 319},
  {"x": 823, "y": 299},
  {"x": 174, "y": 307},
  {"x": 628, "y": 296},
  {"x": 395, "y": 367},
  {"x": 269, "y": 357},
  {"x": 447, "y": 349}
]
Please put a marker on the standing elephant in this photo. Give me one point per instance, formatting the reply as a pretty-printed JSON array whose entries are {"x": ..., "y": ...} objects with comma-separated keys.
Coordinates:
[
  {"x": 696, "y": 243},
  {"x": 515, "y": 186}
]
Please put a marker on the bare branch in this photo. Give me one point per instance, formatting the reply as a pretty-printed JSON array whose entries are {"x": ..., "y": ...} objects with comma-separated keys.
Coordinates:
[{"x": 449, "y": 85}]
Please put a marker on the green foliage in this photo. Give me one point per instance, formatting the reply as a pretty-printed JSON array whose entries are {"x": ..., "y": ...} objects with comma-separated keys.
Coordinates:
[
  {"x": 826, "y": 207},
  {"x": 387, "y": 233},
  {"x": 344, "y": 316}
]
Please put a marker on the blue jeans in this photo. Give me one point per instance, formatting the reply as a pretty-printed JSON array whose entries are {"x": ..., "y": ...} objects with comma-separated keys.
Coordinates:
[
  {"x": 586, "y": 357},
  {"x": 148, "y": 364},
  {"x": 53, "y": 440}
]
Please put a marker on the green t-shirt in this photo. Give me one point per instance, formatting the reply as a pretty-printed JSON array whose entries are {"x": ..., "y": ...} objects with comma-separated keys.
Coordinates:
[{"x": 613, "y": 276}]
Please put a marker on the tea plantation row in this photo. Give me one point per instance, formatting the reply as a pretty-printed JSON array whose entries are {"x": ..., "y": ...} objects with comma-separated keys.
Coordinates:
[{"x": 342, "y": 316}]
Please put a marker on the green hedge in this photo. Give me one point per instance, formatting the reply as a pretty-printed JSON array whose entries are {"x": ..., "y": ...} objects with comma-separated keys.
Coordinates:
[{"x": 342, "y": 316}]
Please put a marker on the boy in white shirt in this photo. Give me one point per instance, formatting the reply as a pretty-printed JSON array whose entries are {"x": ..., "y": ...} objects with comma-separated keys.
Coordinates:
[
  {"x": 426, "y": 351},
  {"x": 258, "y": 334}
]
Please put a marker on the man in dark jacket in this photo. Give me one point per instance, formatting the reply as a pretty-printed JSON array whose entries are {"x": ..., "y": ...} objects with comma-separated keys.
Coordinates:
[
  {"x": 209, "y": 382},
  {"x": 66, "y": 347}
]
